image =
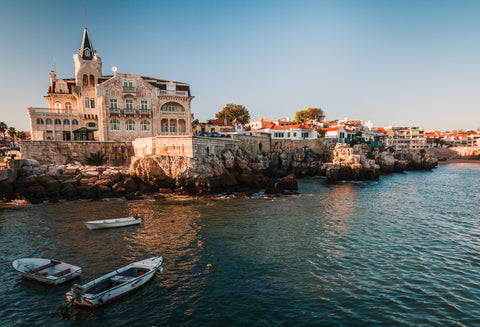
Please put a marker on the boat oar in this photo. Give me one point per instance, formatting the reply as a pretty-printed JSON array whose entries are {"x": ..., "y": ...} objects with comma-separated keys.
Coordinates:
[{"x": 66, "y": 307}]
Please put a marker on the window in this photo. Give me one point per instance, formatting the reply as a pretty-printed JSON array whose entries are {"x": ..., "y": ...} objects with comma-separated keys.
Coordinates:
[
  {"x": 170, "y": 88},
  {"x": 305, "y": 135},
  {"x": 342, "y": 135},
  {"x": 113, "y": 104},
  {"x": 58, "y": 105},
  {"x": 87, "y": 52},
  {"x": 172, "y": 107},
  {"x": 144, "y": 105},
  {"x": 127, "y": 84},
  {"x": 39, "y": 121},
  {"x": 114, "y": 125},
  {"x": 92, "y": 81},
  {"x": 66, "y": 122},
  {"x": 68, "y": 105},
  {"x": 58, "y": 122},
  {"x": 92, "y": 125},
  {"x": 87, "y": 103},
  {"x": 48, "y": 121},
  {"x": 129, "y": 104},
  {"x": 276, "y": 134},
  {"x": 92, "y": 103},
  {"x": 144, "y": 126},
  {"x": 85, "y": 80},
  {"x": 74, "y": 122},
  {"x": 173, "y": 128},
  {"x": 294, "y": 134},
  {"x": 130, "y": 125}
]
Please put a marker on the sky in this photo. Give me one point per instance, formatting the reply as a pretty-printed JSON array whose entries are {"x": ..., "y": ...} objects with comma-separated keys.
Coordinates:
[{"x": 395, "y": 63}]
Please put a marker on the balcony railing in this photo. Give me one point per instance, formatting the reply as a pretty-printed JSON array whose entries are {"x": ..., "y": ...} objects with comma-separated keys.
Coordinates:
[
  {"x": 173, "y": 113},
  {"x": 174, "y": 93},
  {"x": 50, "y": 111},
  {"x": 114, "y": 111},
  {"x": 145, "y": 112},
  {"x": 129, "y": 89},
  {"x": 129, "y": 111}
]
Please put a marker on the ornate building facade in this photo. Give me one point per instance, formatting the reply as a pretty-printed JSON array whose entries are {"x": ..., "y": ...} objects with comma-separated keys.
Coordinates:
[{"x": 119, "y": 107}]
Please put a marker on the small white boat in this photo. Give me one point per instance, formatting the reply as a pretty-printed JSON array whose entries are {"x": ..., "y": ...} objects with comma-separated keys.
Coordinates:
[
  {"x": 111, "y": 223},
  {"x": 47, "y": 271},
  {"x": 115, "y": 284}
]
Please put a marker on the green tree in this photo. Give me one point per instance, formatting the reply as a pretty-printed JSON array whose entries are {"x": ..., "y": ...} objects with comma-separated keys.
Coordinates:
[
  {"x": 234, "y": 111},
  {"x": 12, "y": 131},
  {"x": 21, "y": 135},
  {"x": 311, "y": 115},
  {"x": 3, "y": 130}
]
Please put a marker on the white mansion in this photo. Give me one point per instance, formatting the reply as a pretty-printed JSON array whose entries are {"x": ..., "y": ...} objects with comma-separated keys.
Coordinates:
[{"x": 121, "y": 107}]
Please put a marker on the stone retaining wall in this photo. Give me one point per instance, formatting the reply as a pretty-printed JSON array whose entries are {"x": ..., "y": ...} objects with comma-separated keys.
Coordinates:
[
  {"x": 289, "y": 146},
  {"x": 65, "y": 152}
]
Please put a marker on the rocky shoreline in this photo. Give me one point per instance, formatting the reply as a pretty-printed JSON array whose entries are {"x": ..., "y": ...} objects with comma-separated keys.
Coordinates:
[{"x": 231, "y": 173}]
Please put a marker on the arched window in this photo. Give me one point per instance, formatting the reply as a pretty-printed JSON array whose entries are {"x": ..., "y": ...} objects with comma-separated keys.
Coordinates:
[
  {"x": 130, "y": 125},
  {"x": 87, "y": 103},
  {"x": 58, "y": 122},
  {"x": 92, "y": 80},
  {"x": 39, "y": 121},
  {"x": 144, "y": 126},
  {"x": 74, "y": 122},
  {"x": 68, "y": 105},
  {"x": 114, "y": 125},
  {"x": 48, "y": 121},
  {"x": 66, "y": 122},
  {"x": 172, "y": 107},
  {"x": 58, "y": 105},
  {"x": 92, "y": 103},
  {"x": 85, "y": 80}
]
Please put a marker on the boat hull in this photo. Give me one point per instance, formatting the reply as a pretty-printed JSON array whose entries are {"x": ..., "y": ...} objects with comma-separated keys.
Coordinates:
[
  {"x": 115, "y": 284},
  {"x": 48, "y": 271},
  {"x": 112, "y": 223}
]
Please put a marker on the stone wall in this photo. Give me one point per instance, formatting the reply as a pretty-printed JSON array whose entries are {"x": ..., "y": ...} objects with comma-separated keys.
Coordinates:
[
  {"x": 254, "y": 144},
  {"x": 289, "y": 146},
  {"x": 65, "y": 152},
  {"x": 183, "y": 146}
]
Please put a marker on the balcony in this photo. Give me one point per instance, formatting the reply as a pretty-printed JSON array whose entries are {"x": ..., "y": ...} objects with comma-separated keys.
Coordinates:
[
  {"x": 33, "y": 111},
  {"x": 129, "y": 89},
  {"x": 145, "y": 112},
  {"x": 174, "y": 93},
  {"x": 129, "y": 111},
  {"x": 114, "y": 111}
]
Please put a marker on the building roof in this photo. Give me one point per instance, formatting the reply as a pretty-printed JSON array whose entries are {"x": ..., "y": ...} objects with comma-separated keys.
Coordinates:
[
  {"x": 291, "y": 127},
  {"x": 86, "y": 50},
  {"x": 219, "y": 122}
]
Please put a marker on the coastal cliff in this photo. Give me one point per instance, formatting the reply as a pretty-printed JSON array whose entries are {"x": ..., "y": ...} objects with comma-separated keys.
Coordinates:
[{"x": 233, "y": 171}]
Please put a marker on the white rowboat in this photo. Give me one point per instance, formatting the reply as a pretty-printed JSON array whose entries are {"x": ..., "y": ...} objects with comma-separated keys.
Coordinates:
[
  {"x": 115, "y": 284},
  {"x": 47, "y": 271},
  {"x": 111, "y": 223}
]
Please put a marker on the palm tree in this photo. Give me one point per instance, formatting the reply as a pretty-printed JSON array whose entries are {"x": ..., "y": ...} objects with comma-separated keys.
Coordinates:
[
  {"x": 12, "y": 132},
  {"x": 3, "y": 129}
]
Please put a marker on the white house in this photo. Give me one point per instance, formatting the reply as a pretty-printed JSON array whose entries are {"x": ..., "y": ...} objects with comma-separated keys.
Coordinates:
[
  {"x": 339, "y": 133},
  {"x": 293, "y": 132}
]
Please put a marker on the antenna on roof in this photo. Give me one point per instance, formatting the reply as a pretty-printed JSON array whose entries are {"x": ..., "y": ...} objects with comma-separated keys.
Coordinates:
[{"x": 85, "y": 11}]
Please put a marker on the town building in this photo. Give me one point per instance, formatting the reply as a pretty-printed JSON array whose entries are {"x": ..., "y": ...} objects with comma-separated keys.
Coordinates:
[
  {"x": 407, "y": 138},
  {"x": 264, "y": 122},
  {"x": 291, "y": 132},
  {"x": 118, "y": 107},
  {"x": 213, "y": 126}
]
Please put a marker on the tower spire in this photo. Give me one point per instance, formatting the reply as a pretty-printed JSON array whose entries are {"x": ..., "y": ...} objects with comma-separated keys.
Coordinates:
[{"x": 86, "y": 51}]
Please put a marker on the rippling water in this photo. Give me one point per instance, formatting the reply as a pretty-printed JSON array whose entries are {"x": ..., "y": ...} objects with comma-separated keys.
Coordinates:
[{"x": 400, "y": 251}]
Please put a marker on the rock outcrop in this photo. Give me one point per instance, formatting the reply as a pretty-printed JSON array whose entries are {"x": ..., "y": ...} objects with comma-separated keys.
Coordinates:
[{"x": 233, "y": 171}]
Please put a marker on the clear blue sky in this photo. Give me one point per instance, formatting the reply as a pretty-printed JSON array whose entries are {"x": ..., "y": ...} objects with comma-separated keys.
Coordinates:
[{"x": 391, "y": 62}]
